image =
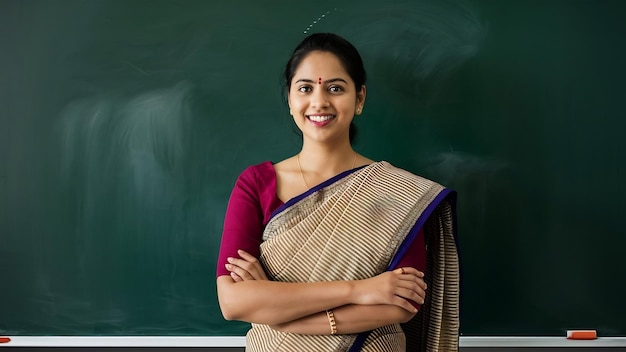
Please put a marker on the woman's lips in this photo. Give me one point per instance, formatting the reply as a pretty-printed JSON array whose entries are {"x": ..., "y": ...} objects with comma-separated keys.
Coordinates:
[{"x": 320, "y": 120}]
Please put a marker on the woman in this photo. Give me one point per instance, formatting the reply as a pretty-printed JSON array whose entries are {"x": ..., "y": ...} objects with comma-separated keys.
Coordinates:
[{"x": 338, "y": 266}]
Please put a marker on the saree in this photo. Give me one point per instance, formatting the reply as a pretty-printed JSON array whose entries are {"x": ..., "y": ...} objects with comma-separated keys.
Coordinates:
[{"x": 355, "y": 226}]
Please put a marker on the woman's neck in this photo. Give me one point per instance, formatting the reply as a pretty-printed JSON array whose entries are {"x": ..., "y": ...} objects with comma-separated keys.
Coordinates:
[{"x": 324, "y": 161}]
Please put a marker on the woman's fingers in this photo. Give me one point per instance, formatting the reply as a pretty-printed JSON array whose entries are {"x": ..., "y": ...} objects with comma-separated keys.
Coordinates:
[
  {"x": 247, "y": 267},
  {"x": 417, "y": 296},
  {"x": 412, "y": 274},
  {"x": 238, "y": 273},
  {"x": 411, "y": 291},
  {"x": 236, "y": 277},
  {"x": 404, "y": 304},
  {"x": 412, "y": 285},
  {"x": 407, "y": 284},
  {"x": 247, "y": 256},
  {"x": 409, "y": 270},
  {"x": 398, "y": 287},
  {"x": 415, "y": 286}
]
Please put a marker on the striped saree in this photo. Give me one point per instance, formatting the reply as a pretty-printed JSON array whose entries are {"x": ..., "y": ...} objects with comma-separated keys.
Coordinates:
[{"x": 355, "y": 226}]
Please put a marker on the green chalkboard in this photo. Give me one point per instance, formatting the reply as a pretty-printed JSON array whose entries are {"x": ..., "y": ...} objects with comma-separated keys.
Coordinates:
[{"x": 123, "y": 125}]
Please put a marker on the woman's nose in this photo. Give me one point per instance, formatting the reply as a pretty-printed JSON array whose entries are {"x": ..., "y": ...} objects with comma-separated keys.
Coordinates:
[{"x": 319, "y": 99}]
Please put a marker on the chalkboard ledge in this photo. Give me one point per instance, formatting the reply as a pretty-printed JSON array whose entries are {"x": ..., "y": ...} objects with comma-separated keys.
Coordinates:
[{"x": 239, "y": 341}]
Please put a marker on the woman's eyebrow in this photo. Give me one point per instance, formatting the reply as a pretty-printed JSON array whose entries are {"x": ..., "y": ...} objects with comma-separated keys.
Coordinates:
[{"x": 333, "y": 80}]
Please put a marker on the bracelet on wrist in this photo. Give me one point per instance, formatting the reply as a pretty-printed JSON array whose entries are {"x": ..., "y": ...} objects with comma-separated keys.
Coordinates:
[{"x": 331, "y": 321}]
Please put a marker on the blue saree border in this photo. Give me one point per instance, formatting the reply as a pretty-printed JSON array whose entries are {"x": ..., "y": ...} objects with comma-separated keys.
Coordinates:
[{"x": 408, "y": 240}]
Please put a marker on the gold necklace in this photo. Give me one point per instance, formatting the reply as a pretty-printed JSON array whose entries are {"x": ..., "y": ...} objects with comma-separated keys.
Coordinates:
[{"x": 302, "y": 174}]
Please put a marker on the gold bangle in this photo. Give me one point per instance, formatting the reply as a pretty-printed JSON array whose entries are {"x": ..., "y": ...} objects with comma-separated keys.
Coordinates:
[{"x": 331, "y": 320}]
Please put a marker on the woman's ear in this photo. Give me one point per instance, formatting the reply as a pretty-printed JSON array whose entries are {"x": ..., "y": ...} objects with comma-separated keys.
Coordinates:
[{"x": 360, "y": 100}]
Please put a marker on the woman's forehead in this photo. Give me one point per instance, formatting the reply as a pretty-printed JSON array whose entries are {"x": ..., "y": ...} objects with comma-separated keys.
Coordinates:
[{"x": 321, "y": 65}]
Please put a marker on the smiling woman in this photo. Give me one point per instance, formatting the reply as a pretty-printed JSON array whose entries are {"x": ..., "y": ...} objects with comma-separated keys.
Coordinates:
[
  {"x": 341, "y": 265},
  {"x": 324, "y": 111}
]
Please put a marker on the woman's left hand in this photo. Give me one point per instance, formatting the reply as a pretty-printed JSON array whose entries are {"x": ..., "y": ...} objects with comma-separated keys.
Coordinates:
[{"x": 245, "y": 268}]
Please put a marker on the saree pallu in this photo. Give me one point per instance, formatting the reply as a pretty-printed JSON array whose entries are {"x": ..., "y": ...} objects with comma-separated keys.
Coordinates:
[{"x": 355, "y": 226}]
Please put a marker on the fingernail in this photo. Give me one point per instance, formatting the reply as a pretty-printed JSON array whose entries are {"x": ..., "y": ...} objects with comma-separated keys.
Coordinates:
[
  {"x": 230, "y": 260},
  {"x": 228, "y": 266}
]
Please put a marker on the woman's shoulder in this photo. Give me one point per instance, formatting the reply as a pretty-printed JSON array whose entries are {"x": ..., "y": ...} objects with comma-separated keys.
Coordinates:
[
  {"x": 258, "y": 183},
  {"x": 257, "y": 176},
  {"x": 263, "y": 169}
]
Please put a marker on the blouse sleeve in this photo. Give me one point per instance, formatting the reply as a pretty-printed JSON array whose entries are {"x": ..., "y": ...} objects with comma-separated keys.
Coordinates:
[
  {"x": 416, "y": 255},
  {"x": 243, "y": 223}
]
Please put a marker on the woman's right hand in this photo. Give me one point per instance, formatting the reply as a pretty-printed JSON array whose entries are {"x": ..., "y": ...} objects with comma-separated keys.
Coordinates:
[
  {"x": 394, "y": 287},
  {"x": 245, "y": 268}
]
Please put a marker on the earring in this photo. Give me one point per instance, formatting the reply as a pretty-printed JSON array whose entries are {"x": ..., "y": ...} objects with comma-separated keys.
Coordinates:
[{"x": 359, "y": 110}]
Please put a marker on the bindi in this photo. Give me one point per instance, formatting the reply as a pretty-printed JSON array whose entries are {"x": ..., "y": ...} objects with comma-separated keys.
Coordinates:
[{"x": 319, "y": 80}]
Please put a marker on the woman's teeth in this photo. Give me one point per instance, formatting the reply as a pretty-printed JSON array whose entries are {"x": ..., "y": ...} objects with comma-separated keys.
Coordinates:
[{"x": 320, "y": 118}]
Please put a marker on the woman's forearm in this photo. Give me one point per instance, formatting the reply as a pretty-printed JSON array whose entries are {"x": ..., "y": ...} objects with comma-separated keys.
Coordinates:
[
  {"x": 270, "y": 302},
  {"x": 349, "y": 319}
]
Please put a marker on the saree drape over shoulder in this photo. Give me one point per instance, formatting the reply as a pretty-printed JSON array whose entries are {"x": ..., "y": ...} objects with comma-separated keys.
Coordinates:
[{"x": 355, "y": 226}]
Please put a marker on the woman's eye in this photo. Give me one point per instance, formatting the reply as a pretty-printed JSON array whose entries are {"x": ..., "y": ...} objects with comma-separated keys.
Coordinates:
[
  {"x": 304, "y": 89},
  {"x": 335, "y": 89}
]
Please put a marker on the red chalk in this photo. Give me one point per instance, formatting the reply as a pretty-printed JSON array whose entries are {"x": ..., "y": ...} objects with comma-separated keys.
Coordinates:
[
  {"x": 582, "y": 334},
  {"x": 4, "y": 339}
]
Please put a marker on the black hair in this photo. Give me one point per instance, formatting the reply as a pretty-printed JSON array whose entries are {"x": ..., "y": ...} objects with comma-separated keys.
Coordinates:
[{"x": 328, "y": 42}]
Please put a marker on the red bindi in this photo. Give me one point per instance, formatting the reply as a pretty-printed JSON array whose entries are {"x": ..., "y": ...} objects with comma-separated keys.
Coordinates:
[{"x": 319, "y": 80}]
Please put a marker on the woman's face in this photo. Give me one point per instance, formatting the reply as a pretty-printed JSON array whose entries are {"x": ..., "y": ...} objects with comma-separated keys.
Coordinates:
[{"x": 323, "y": 99}]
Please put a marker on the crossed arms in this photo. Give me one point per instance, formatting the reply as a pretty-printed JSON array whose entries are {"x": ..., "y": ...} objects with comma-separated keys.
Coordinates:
[{"x": 359, "y": 305}]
